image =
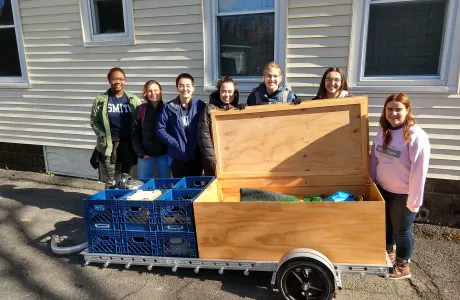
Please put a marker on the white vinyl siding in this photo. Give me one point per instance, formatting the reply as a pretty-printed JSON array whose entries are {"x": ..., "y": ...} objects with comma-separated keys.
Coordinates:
[
  {"x": 319, "y": 36},
  {"x": 65, "y": 76}
]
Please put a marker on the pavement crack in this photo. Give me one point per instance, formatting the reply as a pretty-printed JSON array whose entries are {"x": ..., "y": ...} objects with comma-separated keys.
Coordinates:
[
  {"x": 135, "y": 292},
  {"x": 417, "y": 290}
]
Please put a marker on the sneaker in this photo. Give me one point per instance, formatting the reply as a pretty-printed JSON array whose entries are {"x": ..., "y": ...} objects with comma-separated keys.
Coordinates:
[
  {"x": 392, "y": 256},
  {"x": 401, "y": 270}
]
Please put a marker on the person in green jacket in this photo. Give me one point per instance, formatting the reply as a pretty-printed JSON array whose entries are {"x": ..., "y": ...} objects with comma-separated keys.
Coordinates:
[{"x": 111, "y": 118}]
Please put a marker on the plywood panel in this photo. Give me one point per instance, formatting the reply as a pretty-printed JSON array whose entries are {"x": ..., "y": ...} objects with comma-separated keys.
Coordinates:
[
  {"x": 313, "y": 138},
  {"x": 344, "y": 232}
]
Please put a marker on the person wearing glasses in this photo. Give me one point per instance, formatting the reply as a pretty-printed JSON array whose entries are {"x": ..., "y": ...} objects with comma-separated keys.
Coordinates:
[
  {"x": 111, "y": 117},
  {"x": 333, "y": 85}
]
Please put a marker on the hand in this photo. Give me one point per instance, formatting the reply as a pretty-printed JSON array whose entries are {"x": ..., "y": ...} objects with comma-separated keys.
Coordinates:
[
  {"x": 241, "y": 106},
  {"x": 145, "y": 157},
  {"x": 297, "y": 101}
]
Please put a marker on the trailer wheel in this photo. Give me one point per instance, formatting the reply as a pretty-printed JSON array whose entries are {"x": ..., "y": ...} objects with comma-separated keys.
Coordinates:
[{"x": 305, "y": 279}]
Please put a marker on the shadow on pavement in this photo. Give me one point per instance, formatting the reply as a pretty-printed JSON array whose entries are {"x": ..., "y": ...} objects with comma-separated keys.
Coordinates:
[{"x": 13, "y": 252}]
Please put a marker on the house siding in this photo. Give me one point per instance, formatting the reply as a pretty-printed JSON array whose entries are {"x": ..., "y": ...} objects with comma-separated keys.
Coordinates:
[
  {"x": 319, "y": 37},
  {"x": 65, "y": 76}
]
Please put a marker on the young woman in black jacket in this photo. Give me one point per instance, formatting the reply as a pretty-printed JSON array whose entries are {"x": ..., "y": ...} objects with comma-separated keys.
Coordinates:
[
  {"x": 149, "y": 148},
  {"x": 225, "y": 97}
]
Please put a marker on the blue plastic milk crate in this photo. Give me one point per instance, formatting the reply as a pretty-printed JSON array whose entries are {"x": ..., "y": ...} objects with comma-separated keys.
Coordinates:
[
  {"x": 177, "y": 244},
  {"x": 194, "y": 182},
  {"x": 160, "y": 184},
  {"x": 140, "y": 243},
  {"x": 135, "y": 215},
  {"x": 105, "y": 241},
  {"x": 101, "y": 210},
  {"x": 173, "y": 211}
]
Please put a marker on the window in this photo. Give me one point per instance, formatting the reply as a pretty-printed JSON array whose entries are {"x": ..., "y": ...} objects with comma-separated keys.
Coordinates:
[
  {"x": 241, "y": 37},
  {"x": 13, "y": 72},
  {"x": 107, "y": 22},
  {"x": 404, "y": 43}
]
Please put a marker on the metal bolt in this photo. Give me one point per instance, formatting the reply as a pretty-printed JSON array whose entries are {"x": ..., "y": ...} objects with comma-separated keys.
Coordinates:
[
  {"x": 196, "y": 270},
  {"x": 106, "y": 264},
  {"x": 86, "y": 263},
  {"x": 246, "y": 272},
  {"x": 150, "y": 267},
  {"x": 362, "y": 276},
  {"x": 174, "y": 269},
  {"x": 221, "y": 271},
  {"x": 127, "y": 266}
]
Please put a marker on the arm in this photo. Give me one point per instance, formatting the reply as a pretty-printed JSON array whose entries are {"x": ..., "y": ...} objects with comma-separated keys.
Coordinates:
[
  {"x": 204, "y": 138},
  {"x": 374, "y": 163},
  {"x": 419, "y": 153},
  {"x": 164, "y": 136},
  {"x": 95, "y": 119},
  {"x": 136, "y": 134}
]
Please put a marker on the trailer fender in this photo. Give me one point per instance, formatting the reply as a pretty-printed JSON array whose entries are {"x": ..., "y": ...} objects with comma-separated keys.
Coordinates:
[{"x": 308, "y": 254}]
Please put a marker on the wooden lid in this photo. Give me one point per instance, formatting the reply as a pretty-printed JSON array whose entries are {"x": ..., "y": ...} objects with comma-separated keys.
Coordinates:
[{"x": 321, "y": 137}]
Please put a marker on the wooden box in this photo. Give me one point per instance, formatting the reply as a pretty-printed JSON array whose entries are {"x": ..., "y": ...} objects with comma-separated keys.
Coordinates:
[{"x": 317, "y": 147}]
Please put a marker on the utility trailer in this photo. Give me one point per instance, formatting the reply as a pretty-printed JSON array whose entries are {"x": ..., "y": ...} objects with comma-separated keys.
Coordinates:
[{"x": 305, "y": 150}]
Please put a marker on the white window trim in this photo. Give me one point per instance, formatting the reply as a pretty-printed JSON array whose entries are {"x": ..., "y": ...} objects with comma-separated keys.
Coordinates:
[
  {"x": 91, "y": 40},
  {"x": 17, "y": 81},
  {"x": 449, "y": 65},
  {"x": 211, "y": 47}
]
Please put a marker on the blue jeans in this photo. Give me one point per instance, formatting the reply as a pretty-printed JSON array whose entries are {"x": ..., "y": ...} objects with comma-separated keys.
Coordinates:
[
  {"x": 399, "y": 220},
  {"x": 146, "y": 166}
]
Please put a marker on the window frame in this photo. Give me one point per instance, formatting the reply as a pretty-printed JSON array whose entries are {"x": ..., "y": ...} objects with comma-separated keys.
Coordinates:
[
  {"x": 23, "y": 80},
  {"x": 448, "y": 66},
  {"x": 211, "y": 44},
  {"x": 95, "y": 40}
]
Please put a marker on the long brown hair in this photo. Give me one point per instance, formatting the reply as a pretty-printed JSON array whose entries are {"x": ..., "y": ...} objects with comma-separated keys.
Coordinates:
[
  {"x": 146, "y": 86},
  {"x": 322, "y": 92},
  {"x": 408, "y": 122}
]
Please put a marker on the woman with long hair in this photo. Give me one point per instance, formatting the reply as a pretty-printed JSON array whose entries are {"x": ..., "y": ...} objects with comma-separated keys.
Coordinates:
[
  {"x": 149, "y": 149},
  {"x": 399, "y": 164},
  {"x": 333, "y": 85}
]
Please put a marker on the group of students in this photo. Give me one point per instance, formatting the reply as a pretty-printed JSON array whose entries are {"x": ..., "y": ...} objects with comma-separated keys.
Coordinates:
[{"x": 176, "y": 137}]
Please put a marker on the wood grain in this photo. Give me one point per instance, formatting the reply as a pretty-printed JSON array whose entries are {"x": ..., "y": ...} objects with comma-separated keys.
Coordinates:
[
  {"x": 344, "y": 232},
  {"x": 317, "y": 138}
]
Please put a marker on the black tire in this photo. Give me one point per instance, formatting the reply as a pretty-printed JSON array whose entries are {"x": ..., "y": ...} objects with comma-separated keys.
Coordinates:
[{"x": 305, "y": 279}]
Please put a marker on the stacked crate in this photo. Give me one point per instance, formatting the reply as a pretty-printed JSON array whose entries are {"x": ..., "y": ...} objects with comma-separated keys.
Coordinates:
[{"x": 161, "y": 227}]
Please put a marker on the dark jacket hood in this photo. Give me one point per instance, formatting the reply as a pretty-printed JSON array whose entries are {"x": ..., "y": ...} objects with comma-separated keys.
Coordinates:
[{"x": 214, "y": 99}]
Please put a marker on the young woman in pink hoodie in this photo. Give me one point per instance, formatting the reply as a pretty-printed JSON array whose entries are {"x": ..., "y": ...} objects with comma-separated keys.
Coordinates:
[{"x": 399, "y": 164}]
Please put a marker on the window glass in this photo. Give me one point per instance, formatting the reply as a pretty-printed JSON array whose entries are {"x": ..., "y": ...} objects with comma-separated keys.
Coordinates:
[
  {"x": 6, "y": 14},
  {"x": 244, "y": 5},
  {"x": 108, "y": 16},
  {"x": 9, "y": 56},
  {"x": 246, "y": 43},
  {"x": 405, "y": 38}
]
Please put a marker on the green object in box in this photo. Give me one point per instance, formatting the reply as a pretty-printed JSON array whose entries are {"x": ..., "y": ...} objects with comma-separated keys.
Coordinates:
[
  {"x": 290, "y": 199},
  {"x": 306, "y": 199},
  {"x": 317, "y": 199}
]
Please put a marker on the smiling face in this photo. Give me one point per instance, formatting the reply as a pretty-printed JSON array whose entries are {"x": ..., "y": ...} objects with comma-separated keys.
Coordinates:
[
  {"x": 395, "y": 113},
  {"x": 227, "y": 92},
  {"x": 333, "y": 82},
  {"x": 185, "y": 88},
  {"x": 272, "y": 79},
  {"x": 153, "y": 93},
  {"x": 117, "y": 82}
]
